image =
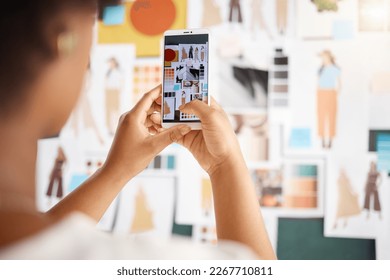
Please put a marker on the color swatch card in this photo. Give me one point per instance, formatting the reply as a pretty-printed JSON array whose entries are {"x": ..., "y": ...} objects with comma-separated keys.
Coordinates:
[{"x": 147, "y": 75}]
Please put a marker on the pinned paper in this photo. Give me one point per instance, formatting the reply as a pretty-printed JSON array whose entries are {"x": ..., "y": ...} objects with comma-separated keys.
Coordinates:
[
  {"x": 383, "y": 149},
  {"x": 342, "y": 30},
  {"x": 300, "y": 138},
  {"x": 171, "y": 162},
  {"x": 114, "y": 15},
  {"x": 380, "y": 82}
]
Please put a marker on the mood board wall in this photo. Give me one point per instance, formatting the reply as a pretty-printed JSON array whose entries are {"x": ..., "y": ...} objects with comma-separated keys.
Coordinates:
[{"x": 305, "y": 84}]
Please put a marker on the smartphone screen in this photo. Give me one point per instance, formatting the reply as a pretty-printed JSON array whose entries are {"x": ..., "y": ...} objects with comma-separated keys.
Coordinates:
[{"x": 185, "y": 74}]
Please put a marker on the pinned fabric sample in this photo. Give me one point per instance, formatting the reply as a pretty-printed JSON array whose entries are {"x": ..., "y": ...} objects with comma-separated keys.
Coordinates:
[{"x": 114, "y": 15}]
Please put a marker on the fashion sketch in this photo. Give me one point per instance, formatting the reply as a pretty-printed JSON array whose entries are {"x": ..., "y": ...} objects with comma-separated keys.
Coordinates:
[
  {"x": 82, "y": 117},
  {"x": 184, "y": 54},
  {"x": 207, "y": 197},
  {"x": 56, "y": 175},
  {"x": 371, "y": 199},
  {"x": 235, "y": 10},
  {"x": 183, "y": 98},
  {"x": 211, "y": 13},
  {"x": 196, "y": 56},
  {"x": 202, "y": 53},
  {"x": 348, "y": 200},
  {"x": 327, "y": 93},
  {"x": 258, "y": 17},
  {"x": 143, "y": 216},
  {"x": 167, "y": 109},
  {"x": 113, "y": 89},
  {"x": 281, "y": 15}
]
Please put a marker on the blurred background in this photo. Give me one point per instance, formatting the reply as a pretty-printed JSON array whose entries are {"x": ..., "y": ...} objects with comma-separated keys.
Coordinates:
[{"x": 306, "y": 84}]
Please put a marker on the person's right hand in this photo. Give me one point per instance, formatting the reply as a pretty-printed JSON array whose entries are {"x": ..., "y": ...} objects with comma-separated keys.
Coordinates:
[
  {"x": 216, "y": 143},
  {"x": 139, "y": 138}
]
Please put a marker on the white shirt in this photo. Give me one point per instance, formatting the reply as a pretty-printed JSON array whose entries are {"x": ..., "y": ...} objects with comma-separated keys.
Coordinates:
[{"x": 76, "y": 238}]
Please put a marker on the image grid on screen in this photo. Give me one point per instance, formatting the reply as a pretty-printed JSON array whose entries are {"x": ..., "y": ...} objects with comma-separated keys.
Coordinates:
[{"x": 185, "y": 74}]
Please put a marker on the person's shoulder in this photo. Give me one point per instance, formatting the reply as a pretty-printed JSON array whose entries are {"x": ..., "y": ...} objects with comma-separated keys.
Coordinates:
[
  {"x": 17, "y": 226},
  {"x": 185, "y": 249},
  {"x": 56, "y": 241},
  {"x": 76, "y": 237}
]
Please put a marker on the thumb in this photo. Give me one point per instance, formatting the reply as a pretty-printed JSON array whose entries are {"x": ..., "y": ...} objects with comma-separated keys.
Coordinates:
[
  {"x": 167, "y": 136},
  {"x": 197, "y": 108}
]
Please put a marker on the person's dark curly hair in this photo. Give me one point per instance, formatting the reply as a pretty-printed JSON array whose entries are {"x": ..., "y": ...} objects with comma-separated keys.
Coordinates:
[{"x": 24, "y": 40}]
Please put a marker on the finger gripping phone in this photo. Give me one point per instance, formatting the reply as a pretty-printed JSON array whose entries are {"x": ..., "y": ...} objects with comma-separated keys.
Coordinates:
[{"x": 185, "y": 74}]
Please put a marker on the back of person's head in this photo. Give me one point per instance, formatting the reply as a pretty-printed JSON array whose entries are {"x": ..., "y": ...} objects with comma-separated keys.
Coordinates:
[{"x": 28, "y": 32}]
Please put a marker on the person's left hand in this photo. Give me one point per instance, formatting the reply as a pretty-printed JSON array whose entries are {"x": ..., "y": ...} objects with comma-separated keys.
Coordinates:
[{"x": 139, "y": 138}]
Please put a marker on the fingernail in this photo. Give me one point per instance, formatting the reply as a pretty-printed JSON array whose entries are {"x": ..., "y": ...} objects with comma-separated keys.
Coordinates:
[{"x": 184, "y": 130}]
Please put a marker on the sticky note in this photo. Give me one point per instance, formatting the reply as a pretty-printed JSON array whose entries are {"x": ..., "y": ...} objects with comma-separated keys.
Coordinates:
[
  {"x": 176, "y": 87},
  {"x": 114, "y": 15},
  {"x": 76, "y": 181},
  {"x": 300, "y": 138},
  {"x": 342, "y": 30}
]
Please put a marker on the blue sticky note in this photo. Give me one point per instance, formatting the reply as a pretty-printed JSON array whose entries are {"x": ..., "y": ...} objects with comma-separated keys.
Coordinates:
[
  {"x": 114, "y": 15},
  {"x": 76, "y": 181},
  {"x": 300, "y": 138},
  {"x": 343, "y": 30},
  {"x": 171, "y": 162},
  {"x": 176, "y": 87}
]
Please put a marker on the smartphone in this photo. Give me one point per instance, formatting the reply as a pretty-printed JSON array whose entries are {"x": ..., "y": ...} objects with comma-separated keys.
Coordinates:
[{"x": 185, "y": 74}]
